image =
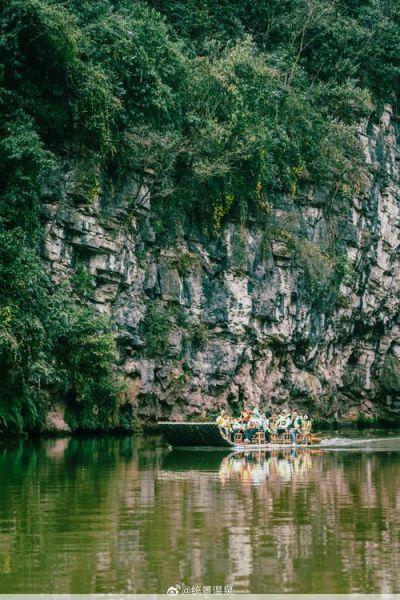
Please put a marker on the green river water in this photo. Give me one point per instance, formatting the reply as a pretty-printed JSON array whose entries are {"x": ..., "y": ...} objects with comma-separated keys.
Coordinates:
[{"x": 126, "y": 514}]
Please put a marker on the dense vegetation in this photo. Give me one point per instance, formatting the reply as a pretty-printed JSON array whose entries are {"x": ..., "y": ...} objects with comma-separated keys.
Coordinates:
[{"x": 225, "y": 107}]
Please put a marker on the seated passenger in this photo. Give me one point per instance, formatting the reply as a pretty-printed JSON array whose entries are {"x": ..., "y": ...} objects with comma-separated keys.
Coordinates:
[
  {"x": 256, "y": 418},
  {"x": 245, "y": 415},
  {"x": 237, "y": 426},
  {"x": 306, "y": 425},
  {"x": 224, "y": 422},
  {"x": 273, "y": 423},
  {"x": 295, "y": 426},
  {"x": 266, "y": 425},
  {"x": 284, "y": 422},
  {"x": 297, "y": 421},
  {"x": 221, "y": 418},
  {"x": 254, "y": 424},
  {"x": 251, "y": 430}
]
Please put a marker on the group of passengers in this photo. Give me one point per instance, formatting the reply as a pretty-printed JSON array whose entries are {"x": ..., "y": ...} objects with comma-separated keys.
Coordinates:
[{"x": 252, "y": 421}]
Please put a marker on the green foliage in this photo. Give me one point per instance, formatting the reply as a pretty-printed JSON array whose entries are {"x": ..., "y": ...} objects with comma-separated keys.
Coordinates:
[
  {"x": 199, "y": 336},
  {"x": 50, "y": 344},
  {"x": 46, "y": 73},
  {"x": 390, "y": 378},
  {"x": 222, "y": 103},
  {"x": 186, "y": 261},
  {"x": 157, "y": 325},
  {"x": 177, "y": 313},
  {"x": 85, "y": 350},
  {"x": 323, "y": 272},
  {"x": 23, "y": 160},
  {"x": 82, "y": 283},
  {"x": 239, "y": 250},
  {"x": 318, "y": 265},
  {"x": 22, "y": 333},
  {"x": 333, "y": 41},
  {"x": 47, "y": 342},
  {"x": 145, "y": 63},
  {"x": 156, "y": 329}
]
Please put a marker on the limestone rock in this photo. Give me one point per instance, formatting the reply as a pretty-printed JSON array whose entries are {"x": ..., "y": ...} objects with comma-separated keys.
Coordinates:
[
  {"x": 247, "y": 334},
  {"x": 170, "y": 282},
  {"x": 55, "y": 422}
]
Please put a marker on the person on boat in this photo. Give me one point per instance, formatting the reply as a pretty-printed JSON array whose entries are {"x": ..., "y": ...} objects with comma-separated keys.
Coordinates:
[
  {"x": 253, "y": 425},
  {"x": 266, "y": 425},
  {"x": 224, "y": 422},
  {"x": 256, "y": 418},
  {"x": 250, "y": 431},
  {"x": 295, "y": 426},
  {"x": 306, "y": 423},
  {"x": 273, "y": 422},
  {"x": 297, "y": 421},
  {"x": 245, "y": 416},
  {"x": 284, "y": 422},
  {"x": 220, "y": 420},
  {"x": 237, "y": 426}
]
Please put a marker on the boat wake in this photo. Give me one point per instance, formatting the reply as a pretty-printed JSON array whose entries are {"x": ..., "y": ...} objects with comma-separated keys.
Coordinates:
[{"x": 381, "y": 443}]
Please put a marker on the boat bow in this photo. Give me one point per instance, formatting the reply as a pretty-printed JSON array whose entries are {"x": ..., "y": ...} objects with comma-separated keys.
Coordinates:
[{"x": 194, "y": 435}]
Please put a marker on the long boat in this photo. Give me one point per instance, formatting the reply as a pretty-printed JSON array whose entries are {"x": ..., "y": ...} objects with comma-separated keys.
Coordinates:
[{"x": 192, "y": 436}]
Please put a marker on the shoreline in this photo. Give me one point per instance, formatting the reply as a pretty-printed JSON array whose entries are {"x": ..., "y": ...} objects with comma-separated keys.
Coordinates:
[{"x": 152, "y": 428}]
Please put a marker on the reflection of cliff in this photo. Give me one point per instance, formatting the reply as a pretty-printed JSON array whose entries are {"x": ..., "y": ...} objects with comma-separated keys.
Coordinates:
[
  {"x": 60, "y": 510},
  {"x": 120, "y": 515}
]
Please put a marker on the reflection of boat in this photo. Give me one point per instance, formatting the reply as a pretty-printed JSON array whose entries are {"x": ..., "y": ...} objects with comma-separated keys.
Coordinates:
[
  {"x": 255, "y": 467},
  {"x": 199, "y": 461},
  {"x": 250, "y": 466},
  {"x": 209, "y": 435}
]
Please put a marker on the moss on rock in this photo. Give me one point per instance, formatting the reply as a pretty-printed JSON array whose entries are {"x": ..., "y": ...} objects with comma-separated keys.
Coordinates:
[{"x": 391, "y": 374}]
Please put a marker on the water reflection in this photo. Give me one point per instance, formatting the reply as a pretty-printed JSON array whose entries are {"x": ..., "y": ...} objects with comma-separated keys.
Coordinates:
[
  {"x": 128, "y": 515},
  {"x": 193, "y": 462},
  {"x": 254, "y": 468},
  {"x": 247, "y": 467}
]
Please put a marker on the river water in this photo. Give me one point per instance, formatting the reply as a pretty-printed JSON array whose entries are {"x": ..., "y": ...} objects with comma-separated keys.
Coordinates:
[{"x": 125, "y": 514}]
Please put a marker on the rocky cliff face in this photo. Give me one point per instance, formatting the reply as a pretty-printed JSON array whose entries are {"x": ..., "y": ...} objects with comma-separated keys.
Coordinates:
[{"x": 228, "y": 320}]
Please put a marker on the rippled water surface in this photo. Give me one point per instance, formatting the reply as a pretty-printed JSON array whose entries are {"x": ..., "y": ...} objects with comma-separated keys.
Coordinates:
[{"x": 122, "y": 514}]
